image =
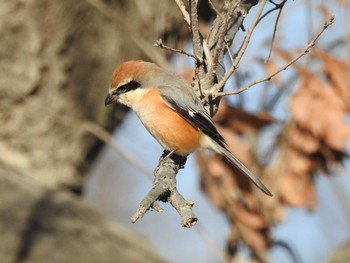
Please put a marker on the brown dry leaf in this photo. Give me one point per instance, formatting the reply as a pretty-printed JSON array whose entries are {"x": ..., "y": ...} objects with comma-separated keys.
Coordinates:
[
  {"x": 237, "y": 146},
  {"x": 245, "y": 122},
  {"x": 256, "y": 240},
  {"x": 272, "y": 207},
  {"x": 336, "y": 131},
  {"x": 298, "y": 190},
  {"x": 317, "y": 108},
  {"x": 249, "y": 218},
  {"x": 306, "y": 107},
  {"x": 297, "y": 163},
  {"x": 270, "y": 68},
  {"x": 212, "y": 173},
  {"x": 315, "y": 136},
  {"x": 317, "y": 128},
  {"x": 221, "y": 187},
  {"x": 302, "y": 140},
  {"x": 221, "y": 114},
  {"x": 221, "y": 172},
  {"x": 337, "y": 72},
  {"x": 283, "y": 54},
  {"x": 341, "y": 2}
]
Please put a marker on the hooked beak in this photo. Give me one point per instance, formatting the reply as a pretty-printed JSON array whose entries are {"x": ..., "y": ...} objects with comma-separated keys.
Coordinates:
[{"x": 109, "y": 99}]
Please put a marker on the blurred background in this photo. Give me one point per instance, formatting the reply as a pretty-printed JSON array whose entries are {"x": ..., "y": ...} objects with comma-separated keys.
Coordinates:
[{"x": 73, "y": 173}]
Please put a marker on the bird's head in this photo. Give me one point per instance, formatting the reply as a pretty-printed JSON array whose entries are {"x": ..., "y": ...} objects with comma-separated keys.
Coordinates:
[{"x": 129, "y": 82}]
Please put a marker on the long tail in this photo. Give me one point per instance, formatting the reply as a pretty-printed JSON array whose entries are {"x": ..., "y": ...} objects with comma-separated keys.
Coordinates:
[
  {"x": 237, "y": 163},
  {"x": 211, "y": 144}
]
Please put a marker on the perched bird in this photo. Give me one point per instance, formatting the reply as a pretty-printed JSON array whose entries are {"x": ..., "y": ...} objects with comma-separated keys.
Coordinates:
[{"x": 170, "y": 110}]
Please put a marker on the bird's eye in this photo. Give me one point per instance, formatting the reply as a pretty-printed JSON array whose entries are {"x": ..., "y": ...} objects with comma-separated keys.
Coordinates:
[{"x": 128, "y": 86}]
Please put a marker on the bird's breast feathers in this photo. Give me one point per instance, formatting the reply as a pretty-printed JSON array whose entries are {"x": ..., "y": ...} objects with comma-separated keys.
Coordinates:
[{"x": 168, "y": 127}]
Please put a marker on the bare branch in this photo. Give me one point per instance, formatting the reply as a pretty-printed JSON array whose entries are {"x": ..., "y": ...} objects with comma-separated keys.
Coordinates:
[
  {"x": 164, "y": 189},
  {"x": 277, "y": 7},
  {"x": 164, "y": 184},
  {"x": 196, "y": 40},
  {"x": 214, "y": 8},
  {"x": 195, "y": 29},
  {"x": 108, "y": 139},
  {"x": 159, "y": 43},
  {"x": 301, "y": 54},
  {"x": 220, "y": 43},
  {"x": 182, "y": 7},
  {"x": 229, "y": 53},
  {"x": 241, "y": 52},
  {"x": 280, "y": 7}
]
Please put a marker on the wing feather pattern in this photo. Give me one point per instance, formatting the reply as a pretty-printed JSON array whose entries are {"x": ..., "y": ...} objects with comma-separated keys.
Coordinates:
[
  {"x": 198, "y": 119},
  {"x": 191, "y": 109}
]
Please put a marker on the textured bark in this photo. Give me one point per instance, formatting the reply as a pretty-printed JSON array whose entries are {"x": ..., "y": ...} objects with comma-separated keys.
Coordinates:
[
  {"x": 40, "y": 225},
  {"x": 56, "y": 58}
]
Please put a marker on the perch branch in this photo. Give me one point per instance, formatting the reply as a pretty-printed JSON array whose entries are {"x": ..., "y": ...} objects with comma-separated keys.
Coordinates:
[
  {"x": 164, "y": 189},
  {"x": 164, "y": 184}
]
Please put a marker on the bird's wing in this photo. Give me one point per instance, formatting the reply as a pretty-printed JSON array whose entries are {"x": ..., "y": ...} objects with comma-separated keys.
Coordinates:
[{"x": 184, "y": 101}]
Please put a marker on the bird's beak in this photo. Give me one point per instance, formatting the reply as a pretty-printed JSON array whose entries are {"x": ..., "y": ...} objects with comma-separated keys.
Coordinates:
[{"x": 109, "y": 99}]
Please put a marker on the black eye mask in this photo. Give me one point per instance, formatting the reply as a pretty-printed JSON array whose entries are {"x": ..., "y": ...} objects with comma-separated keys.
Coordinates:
[{"x": 132, "y": 85}]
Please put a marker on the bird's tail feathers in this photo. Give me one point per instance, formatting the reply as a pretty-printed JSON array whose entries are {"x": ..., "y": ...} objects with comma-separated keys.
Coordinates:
[{"x": 237, "y": 163}]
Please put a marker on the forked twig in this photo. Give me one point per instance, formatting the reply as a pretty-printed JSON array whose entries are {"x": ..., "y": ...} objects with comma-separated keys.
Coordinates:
[
  {"x": 280, "y": 7},
  {"x": 241, "y": 52},
  {"x": 183, "y": 10},
  {"x": 306, "y": 50},
  {"x": 159, "y": 43}
]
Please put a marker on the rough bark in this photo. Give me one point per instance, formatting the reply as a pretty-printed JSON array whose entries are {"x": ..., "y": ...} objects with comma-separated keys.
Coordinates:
[
  {"x": 56, "y": 58},
  {"x": 40, "y": 224}
]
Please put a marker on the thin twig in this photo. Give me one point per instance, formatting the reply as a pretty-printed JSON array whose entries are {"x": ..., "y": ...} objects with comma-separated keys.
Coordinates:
[
  {"x": 301, "y": 54},
  {"x": 159, "y": 43},
  {"x": 214, "y": 8},
  {"x": 206, "y": 48},
  {"x": 195, "y": 29},
  {"x": 275, "y": 30},
  {"x": 183, "y": 10},
  {"x": 240, "y": 54},
  {"x": 277, "y": 7},
  {"x": 229, "y": 53},
  {"x": 108, "y": 139},
  {"x": 220, "y": 43},
  {"x": 196, "y": 40}
]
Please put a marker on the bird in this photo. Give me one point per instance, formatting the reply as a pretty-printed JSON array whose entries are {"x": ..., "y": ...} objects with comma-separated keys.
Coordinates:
[{"x": 170, "y": 110}]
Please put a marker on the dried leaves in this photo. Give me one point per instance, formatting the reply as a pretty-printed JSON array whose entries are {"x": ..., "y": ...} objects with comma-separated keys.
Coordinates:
[
  {"x": 227, "y": 188},
  {"x": 313, "y": 139}
]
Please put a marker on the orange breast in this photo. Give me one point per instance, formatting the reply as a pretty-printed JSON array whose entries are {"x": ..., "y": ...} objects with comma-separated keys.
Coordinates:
[{"x": 171, "y": 130}]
